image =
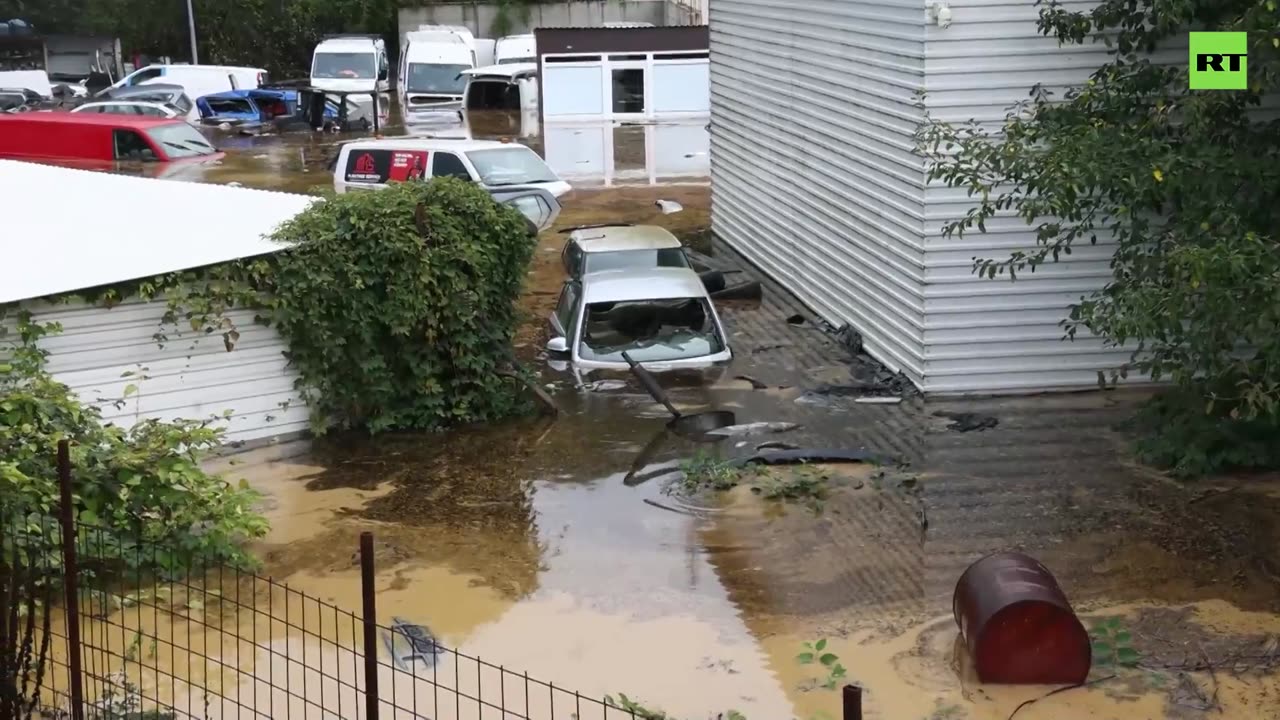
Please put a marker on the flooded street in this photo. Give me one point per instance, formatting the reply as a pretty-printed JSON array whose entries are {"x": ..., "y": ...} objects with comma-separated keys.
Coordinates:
[{"x": 558, "y": 547}]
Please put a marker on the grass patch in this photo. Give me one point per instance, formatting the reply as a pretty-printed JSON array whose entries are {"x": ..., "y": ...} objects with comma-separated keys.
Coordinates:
[{"x": 801, "y": 484}]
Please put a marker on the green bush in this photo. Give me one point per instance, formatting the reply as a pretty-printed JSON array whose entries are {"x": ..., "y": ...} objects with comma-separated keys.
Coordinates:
[
  {"x": 399, "y": 306},
  {"x": 144, "y": 501}
]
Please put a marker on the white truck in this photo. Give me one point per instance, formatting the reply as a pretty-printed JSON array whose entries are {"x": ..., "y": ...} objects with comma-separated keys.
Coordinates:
[
  {"x": 351, "y": 63},
  {"x": 432, "y": 63}
]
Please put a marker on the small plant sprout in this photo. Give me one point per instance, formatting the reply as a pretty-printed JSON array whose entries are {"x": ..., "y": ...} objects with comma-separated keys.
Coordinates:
[
  {"x": 1113, "y": 645},
  {"x": 816, "y": 653}
]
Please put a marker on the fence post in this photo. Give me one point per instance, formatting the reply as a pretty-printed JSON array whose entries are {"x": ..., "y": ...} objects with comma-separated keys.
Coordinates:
[
  {"x": 370, "y": 627},
  {"x": 852, "y": 696},
  {"x": 71, "y": 580}
]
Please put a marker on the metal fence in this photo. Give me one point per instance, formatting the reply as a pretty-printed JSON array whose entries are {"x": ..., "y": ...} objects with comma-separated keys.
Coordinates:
[{"x": 84, "y": 618}]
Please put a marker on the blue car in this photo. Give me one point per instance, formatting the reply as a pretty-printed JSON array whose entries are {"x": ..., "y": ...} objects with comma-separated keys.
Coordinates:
[{"x": 249, "y": 106}]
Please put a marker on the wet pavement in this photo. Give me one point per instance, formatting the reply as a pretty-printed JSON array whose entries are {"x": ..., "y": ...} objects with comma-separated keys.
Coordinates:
[{"x": 524, "y": 543}]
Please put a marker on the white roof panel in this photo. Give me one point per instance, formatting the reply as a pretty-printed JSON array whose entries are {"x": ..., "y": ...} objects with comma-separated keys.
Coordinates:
[{"x": 123, "y": 228}]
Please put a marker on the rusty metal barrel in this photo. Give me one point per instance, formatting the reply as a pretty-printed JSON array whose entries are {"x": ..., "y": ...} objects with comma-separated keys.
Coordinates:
[{"x": 1017, "y": 624}]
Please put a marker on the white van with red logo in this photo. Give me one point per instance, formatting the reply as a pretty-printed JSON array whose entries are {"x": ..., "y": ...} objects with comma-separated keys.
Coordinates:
[{"x": 497, "y": 166}]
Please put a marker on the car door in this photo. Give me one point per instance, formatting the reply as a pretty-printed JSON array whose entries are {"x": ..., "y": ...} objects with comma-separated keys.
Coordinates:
[{"x": 565, "y": 317}]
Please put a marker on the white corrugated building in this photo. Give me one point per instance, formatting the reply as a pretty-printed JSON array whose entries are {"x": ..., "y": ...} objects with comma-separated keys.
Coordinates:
[
  {"x": 814, "y": 178},
  {"x": 115, "y": 236}
]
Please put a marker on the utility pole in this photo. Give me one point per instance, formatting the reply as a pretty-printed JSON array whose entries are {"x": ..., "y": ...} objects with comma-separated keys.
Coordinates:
[{"x": 191, "y": 24}]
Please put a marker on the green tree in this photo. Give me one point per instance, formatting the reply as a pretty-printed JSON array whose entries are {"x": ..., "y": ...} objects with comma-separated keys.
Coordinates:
[
  {"x": 1188, "y": 184},
  {"x": 399, "y": 306}
]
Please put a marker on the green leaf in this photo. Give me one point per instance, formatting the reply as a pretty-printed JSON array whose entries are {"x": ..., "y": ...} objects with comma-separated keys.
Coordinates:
[
  {"x": 1123, "y": 637},
  {"x": 828, "y": 659},
  {"x": 1128, "y": 657},
  {"x": 130, "y": 389},
  {"x": 804, "y": 658},
  {"x": 1102, "y": 649},
  {"x": 820, "y": 645}
]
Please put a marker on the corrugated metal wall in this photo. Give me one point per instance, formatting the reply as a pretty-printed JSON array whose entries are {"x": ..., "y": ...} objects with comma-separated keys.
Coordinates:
[
  {"x": 813, "y": 172},
  {"x": 192, "y": 376},
  {"x": 986, "y": 335}
]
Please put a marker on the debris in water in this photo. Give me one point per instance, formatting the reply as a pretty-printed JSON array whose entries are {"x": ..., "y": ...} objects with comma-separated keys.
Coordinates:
[
  {"x": 605, "y": 386},
  {"x": 407, "y": 642},
  {"x": 851, "y": 339},
  {"x": 796, "y": 320},
  {"x": 774, "y": 346},
  {"x": 755, "y": 384},
  {"x": 669, "y": 207},
  {"x": 759, "y": 428},
  {"x": 967, "y": 422},
  {"x": 869, "y": 400},
  {"x": 806, "y": 456}
]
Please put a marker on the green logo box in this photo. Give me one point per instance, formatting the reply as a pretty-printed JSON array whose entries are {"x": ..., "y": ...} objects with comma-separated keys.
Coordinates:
[{"x": 1219, "y": 61}]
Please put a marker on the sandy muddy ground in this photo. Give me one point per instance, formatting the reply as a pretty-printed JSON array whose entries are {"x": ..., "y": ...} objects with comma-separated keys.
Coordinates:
[{"x": 554, "y": 548}]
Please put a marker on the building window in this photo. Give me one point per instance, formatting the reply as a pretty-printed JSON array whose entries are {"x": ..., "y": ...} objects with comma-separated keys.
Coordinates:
[{"x": 628, "y": 90}]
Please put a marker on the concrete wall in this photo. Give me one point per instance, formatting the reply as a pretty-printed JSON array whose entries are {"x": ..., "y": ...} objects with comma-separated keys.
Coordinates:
[{"x": 480, "y": 16}]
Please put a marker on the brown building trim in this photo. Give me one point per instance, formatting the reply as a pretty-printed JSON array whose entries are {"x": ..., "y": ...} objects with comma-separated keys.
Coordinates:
[{"x": 617, "y": 41}]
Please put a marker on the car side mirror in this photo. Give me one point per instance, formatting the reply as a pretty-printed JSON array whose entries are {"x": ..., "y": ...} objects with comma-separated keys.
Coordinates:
[{"x": 558, "y": 346}]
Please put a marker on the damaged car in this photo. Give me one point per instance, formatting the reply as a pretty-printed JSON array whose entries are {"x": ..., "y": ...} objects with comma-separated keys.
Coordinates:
[
  {"x": 621, "y": 247},
  {"x": 660, "y": 316}
]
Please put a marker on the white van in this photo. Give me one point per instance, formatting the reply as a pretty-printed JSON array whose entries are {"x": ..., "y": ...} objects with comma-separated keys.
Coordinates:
[
  {"x": 36, "y": 81},
  {"x": 497, "y": 166},
  {"x": 516, "y": 49},
  {"x": 509, "y": 87},
  {"x": 351, "y": 63},
  {"x": 196, "y": 80},
  {"x": 482, "y": 50},
  {"x": 431, "y": 67}
]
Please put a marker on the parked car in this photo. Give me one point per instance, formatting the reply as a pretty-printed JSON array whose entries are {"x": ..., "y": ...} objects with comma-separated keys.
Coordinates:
[
  {"x": 196, "y": 80},
  {"x": 257, "y": 105},
  {"x": 100, "y": 139},
  {"x": 370, "y": 164},
  {"x": 172, "y": 95},
  {"x": 19, "y": 99},
  {"x": 513, "y": 86},
  {"x": 621, "y": 247},
  {"x": 660, "y": 316},
  {"x": 131, "y": 107}
]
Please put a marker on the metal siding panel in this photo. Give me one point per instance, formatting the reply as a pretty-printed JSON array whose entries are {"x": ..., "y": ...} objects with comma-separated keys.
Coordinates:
[
  {"x": 814, "y": 178},
  {"x": 993, "y": 336},
  {"x": 191, "y": 377}
]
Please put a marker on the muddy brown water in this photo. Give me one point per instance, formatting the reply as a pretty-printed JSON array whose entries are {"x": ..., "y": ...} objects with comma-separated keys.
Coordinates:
[{"x": 522, "y": 544}]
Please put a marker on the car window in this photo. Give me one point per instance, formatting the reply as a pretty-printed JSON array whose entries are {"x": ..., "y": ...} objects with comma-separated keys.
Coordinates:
[
  {"x": 449, "y": 165},
  {"x": 145, "y": 75},
  {"x": 628, "y": 259},
  {"x": 154, "y": 112},
  {"x": 650, "y": 331},
  {"x": 514, "y": 165},
  {"x": 567, "y": 307},
  {"x": 573, "y": 259},
  {"x": 129, "y": 145},
  {"x": 178, "y": 139}
]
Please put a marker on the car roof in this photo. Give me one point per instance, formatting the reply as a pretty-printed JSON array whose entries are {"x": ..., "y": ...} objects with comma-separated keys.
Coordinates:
[
  {"x": 425, "y": 143},
  {"x": 146, "y": 89},
  {"x": 123, "y": 101},
  {"x": 138, "y": 122},
  {"x": 642, "y": 284},
  {"x": 508, "y": 70},
  {"x": 361, "y": 42},
  {"x": 624, "y": 237}
]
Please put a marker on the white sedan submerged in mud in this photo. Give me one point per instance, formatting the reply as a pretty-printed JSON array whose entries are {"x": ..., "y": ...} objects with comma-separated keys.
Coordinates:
[{"x": 662, "y": 317}]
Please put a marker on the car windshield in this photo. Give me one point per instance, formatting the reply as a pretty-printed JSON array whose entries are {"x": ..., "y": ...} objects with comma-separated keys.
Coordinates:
[
  {"x": 230, "y": 106},
  {"x": 632, "y": 259},
  {"x": 443, "y": 79},
  {"x": 650, "y": 331},
  {"x": 180, "y": 140},
  {"x": 354, "y": 66},
  {"x": 515, "y": 165}
]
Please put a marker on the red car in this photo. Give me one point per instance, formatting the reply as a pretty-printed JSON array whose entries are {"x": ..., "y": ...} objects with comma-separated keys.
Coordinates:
[{"x": 96, "y": 139}]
